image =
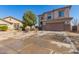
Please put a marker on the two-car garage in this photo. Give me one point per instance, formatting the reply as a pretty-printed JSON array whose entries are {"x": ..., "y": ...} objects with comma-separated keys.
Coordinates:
[{"x": 57, "y": 26}]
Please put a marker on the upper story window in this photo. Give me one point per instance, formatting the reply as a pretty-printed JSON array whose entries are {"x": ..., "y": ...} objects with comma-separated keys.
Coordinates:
[
  {"x": 49, "y": 16},
  {"x": 61, "y": 13}
]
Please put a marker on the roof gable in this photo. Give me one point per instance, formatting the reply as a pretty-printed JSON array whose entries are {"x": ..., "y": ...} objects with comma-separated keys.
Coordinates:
[{"x": 11, "y": 19}]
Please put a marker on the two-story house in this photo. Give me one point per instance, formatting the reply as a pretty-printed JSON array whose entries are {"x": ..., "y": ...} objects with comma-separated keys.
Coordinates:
[{"x": 56, "y": 20}]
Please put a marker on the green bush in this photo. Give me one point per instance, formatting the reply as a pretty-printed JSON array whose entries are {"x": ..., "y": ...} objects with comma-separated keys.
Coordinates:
[{"x": 3, "y": 27}]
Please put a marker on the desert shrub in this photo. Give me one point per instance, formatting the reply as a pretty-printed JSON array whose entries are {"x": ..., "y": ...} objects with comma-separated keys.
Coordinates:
[{"x": 3, "y": 27}]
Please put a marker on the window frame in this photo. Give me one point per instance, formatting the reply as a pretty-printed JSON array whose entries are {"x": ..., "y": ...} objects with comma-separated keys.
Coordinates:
[
  {"x": 61, "y": 13},
  {"x": 49, "y": 16}
]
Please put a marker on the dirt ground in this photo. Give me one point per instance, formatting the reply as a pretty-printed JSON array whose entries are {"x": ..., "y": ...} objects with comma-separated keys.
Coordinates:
[
  {"x": 41, "y": 42},
  {"x": 75, "y": 38}
]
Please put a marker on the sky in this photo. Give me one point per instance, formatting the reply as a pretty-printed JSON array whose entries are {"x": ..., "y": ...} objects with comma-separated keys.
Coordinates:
[{"x": 17, "y": 11}]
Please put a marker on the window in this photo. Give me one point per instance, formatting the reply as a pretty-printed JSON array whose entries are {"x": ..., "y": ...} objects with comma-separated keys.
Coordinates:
[
  {"x": 61, "y": 13},
  {"x": 49, "y": 16}
]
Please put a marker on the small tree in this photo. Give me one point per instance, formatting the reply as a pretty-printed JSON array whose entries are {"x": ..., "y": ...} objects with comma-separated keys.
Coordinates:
[
  {"x": 75, "y": 22},
  {"x": 29, "y": 19}
]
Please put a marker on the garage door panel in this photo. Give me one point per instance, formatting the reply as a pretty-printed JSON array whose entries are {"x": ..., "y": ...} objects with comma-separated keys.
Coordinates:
[{"x": 55, "y": 26}]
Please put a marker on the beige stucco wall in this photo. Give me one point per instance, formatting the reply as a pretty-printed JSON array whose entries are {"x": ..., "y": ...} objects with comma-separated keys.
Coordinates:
[
  {"x": 56, "y": 14},
  {"x": 10, "y": 26},
  {"x": 66, "y": 12},
  {"x": 45, "y": 17},
  {"x": 52, "y": 15}
]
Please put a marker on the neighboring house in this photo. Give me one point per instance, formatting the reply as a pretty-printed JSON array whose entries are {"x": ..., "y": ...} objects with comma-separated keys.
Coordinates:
[
  {"x": 12, "y": 23},
  {"x": 56, "y": 20}
]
